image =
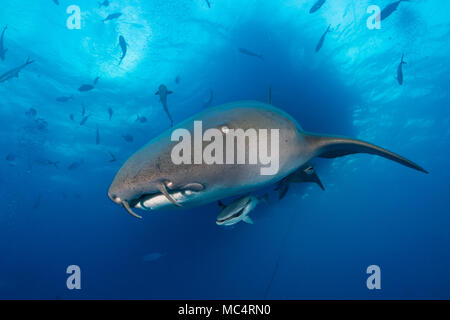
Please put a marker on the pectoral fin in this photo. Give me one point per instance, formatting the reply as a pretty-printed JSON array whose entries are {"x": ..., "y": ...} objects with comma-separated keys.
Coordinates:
[{"x": 247, "y": 219}]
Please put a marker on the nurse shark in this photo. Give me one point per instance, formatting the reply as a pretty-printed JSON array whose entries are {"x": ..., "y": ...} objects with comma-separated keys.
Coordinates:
[{"x": 150, "y": 179}]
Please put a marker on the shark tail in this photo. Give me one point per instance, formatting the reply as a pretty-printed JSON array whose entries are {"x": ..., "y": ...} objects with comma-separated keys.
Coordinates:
[{"x": 333, "y": 147}]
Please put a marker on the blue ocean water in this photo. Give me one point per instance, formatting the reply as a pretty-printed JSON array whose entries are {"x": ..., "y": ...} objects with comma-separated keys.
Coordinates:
[{"x": 312, "y": 244}]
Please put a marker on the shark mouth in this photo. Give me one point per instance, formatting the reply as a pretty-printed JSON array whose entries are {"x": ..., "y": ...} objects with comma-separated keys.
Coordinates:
[{"x": 165, "y": 195}]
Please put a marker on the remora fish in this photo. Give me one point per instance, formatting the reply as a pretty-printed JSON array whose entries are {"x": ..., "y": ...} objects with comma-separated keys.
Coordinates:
[
  {"x": 123, "y": 45},
  {"x": 322, "y": 39},
  {"x": 389, "y": 9},
  {"x": 2, "y": 45},
  {"x": 250, "y": 53},
  {"x": 151, "y": 173},
  {"x": 15, "y": 71},
  {"x": 317, "y": 6},
  {"x": 238, "y": 210},
  {"x": 400, "y": 71},
  {"x": 163, "y": 92}
]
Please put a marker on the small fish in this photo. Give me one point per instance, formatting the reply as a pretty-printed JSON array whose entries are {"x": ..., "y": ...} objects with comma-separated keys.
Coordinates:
[
  {"x": 209, "y": 4},
  {"x": 238, "y": 210},
  {"x": 83, "y": 110},
  {"x": 88, "y": 87},
  {"x": 2, "y": 45},
  {"x": 152, "y": 256},
  {"x": 85, "y": 118},
  {"x": 75, "y": 165},
  {"x": 47, "y": 162},
  {"x": 31, "y": 112},
  {"x": 400, "y": 71},
  {"x": 112, "y": 16},
  {"x": 250, "y": 53},
  {"x": 113, "y": 158},
  {"x": 208, "y": 102},
  {"x": 141, "y": 119},
  {"x": 11, "y": 157},
  {"x": 317, "y": 6},
  {"x": 64, "y": 98},
  {"x": 123, "y": 45},
  {"x": 97, "y": 137},
  {"x": 322, "y": 39},
  {"x": 110, "y": 112},
  {"x": 37, "y": 202},
  {"x": 103, "y": 4},
  {"x": 163, "y": 92},
  {"x": 128, "y": 137},
  {"x": 15, "y": 71},
  {"x": 389, "y": 9},
  {"x": 71, "y": 116}
]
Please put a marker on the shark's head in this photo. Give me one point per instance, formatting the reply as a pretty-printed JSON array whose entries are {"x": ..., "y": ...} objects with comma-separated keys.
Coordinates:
[{"x": 149, "y": 182}]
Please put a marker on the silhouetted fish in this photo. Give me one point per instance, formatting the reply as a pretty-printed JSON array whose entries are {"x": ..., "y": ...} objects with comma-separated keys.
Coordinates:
[
  {"x": 37, "y": 202},
  {"x": 75, "y": 165},
  {"x": 128, "y": 137},
  {"x": 64, "y": 98},
  {"x": 112, "y": 16},
  {"x": 113, "y": 158},
  {"x": 317, "y": 6},
  {"x": 2, "y": 45},
  {"x": 85, "y": 118},
  {"x": 141, "y": 119},
  {"x": 208, "y": 102},
  {"x": 207, "y": 2},
  {"x": 88, "y": 87},
  {"x": 31, "y": 112},
  {"x": 14, "y": 72},
  {"x": 123, "y": 45},
  {"x": 322, "y": 39},
  {"x": 71, "y": 116},
  {"x": 163, "y": 92},
  {"x": 110, "y": 112},
  {"x": 400, "y": 71},
  {"x": 11, "y": 157},
  {"x": 389, "y": 9},
  {"x": 250, "y": 53},
  {"x": 104, "y": 3},
  {"x": 152, "y": 256},
  {"x": 47, "y": 162},
  {"x": 56, "y": 2}
]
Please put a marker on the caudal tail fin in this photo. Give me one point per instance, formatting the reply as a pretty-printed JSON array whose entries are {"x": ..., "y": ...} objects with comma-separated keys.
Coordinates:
[{"x": 333, "y": 147}]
